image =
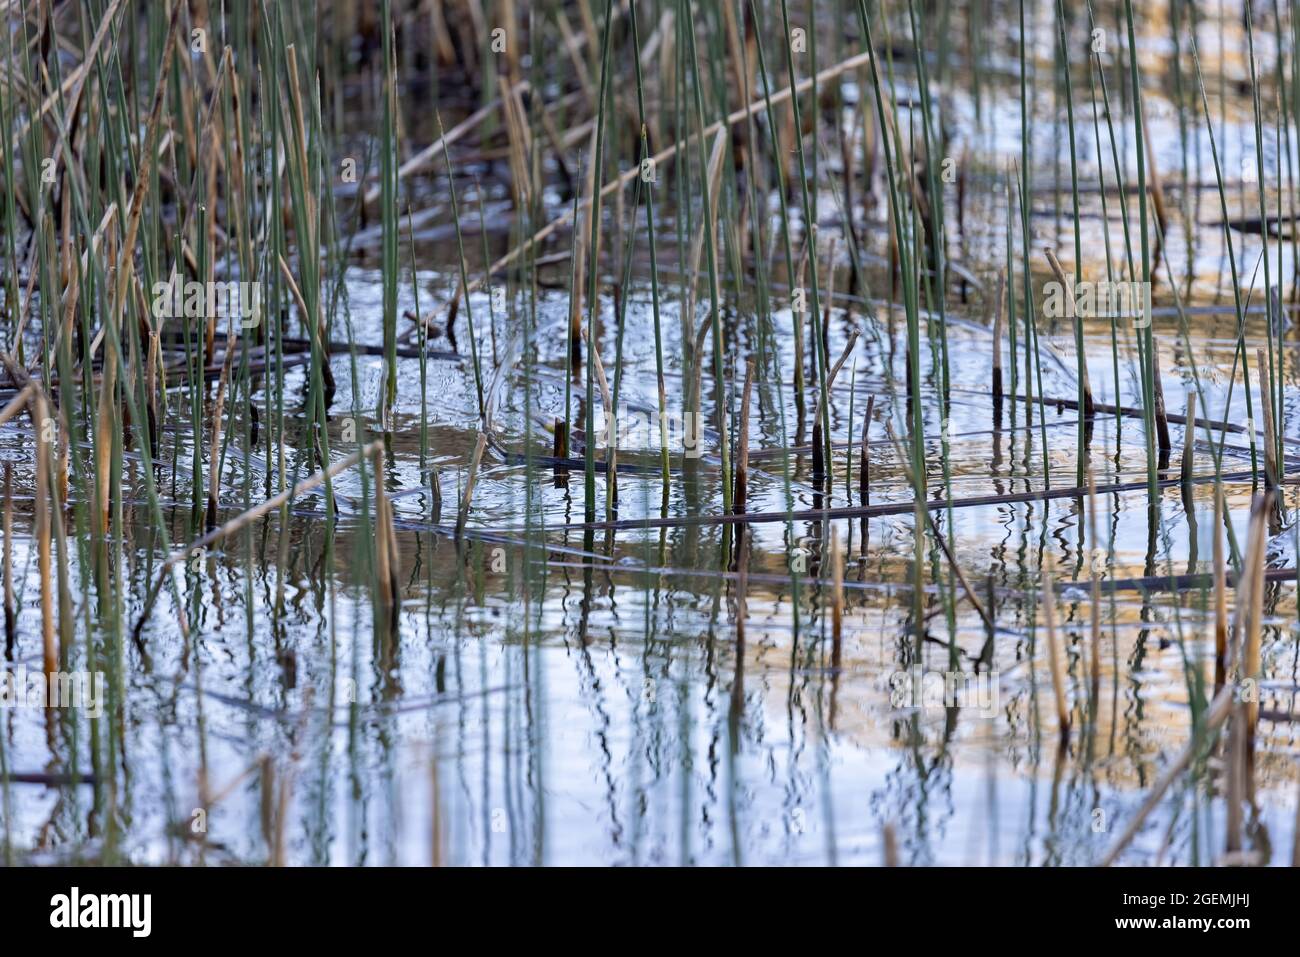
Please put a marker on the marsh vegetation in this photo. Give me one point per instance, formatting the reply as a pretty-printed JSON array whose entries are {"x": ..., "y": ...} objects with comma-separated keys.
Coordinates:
[{"x": 650, "y": 432}]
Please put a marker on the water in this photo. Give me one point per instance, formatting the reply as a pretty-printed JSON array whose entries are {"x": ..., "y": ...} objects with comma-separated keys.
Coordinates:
[{"x": 586, "y": 700}]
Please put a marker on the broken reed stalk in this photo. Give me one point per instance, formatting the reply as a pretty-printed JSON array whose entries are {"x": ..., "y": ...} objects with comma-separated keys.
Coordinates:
[
  {"x": 741, "y": 492},
  {"x": 576, "y": 277},
  {"x": 592, "y": 254},
  {"x": 1220, "y": 593},
  {"x": 1162, "y": 418},
  {"x": 714, "y": 172},
  {"x": 1067, "y": 288},
  {"x": 797, "y": 313},
  {"x": 1272, "y": 475},
  {"x": 864, "y": 477},
  {"x": 1189, "y": 440},
  {"x": 837, "y": 600},
  {"x": 1056, "y": 657},
  {"x": 611, "y": 429},
  {"x": 1245, "y": 660},
  {"x": 821, "y": 474},
  {"x": 11, "y": 620},
  {"x": 692, "y": 404},
  {"x": 387, "y": 561},
  {"x": 819, "y": 479},
  {"x": 998, "y": 316},
  {"x": 463, "y": 515},
  {"x": 560, "y": 448},
  {"x": 317, "y": 328},
  {"x": 435, "y": 490},
  {"x": 709, "y": 236},
  {"x": 844, "y": 356},
  {"x": 1234, "y": 769},
  {"x": 1253, "y": 557}
]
